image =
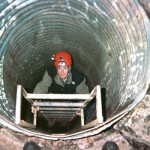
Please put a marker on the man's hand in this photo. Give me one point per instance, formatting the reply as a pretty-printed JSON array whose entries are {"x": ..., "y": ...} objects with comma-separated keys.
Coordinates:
[{"x": 78, "y": 113}]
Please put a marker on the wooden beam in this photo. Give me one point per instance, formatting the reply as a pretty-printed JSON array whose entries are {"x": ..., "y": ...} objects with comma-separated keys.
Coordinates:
[
  {"x": 58, "y": 112},
  {"x": 18, "y": 105},
  {"x": 24, "y": 93},
  {"x": 68, "y": 118},
  {"x": 57, "y": 108},
  {"x": 58, "y": 104},
  {"x": 74, "y": 97},
  {"x": 60, "y": 115},
  {"x": 99, "y": 105},
  {"x": 92, "y": 95},
  {"x": 35, "y": 116},
  {"x": 82, "y": 117}
]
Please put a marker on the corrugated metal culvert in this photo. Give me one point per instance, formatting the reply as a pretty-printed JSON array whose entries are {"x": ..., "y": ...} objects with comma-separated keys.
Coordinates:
[{"x": 108, "y": 39}]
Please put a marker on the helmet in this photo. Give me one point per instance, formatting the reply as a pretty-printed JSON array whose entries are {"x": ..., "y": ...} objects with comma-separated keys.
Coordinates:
[{"x": 62, "y": 58}]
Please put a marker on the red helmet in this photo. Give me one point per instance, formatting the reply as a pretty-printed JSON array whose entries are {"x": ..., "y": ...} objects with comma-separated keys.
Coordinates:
[{"x": 63, "y": 58}]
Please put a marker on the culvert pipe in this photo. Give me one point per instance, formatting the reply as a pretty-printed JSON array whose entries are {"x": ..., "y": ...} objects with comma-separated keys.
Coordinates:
[{"x": 109, "y": 42}]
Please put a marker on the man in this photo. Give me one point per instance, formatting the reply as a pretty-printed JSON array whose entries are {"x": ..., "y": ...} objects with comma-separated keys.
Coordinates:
[{"x": 63, "y": 78}]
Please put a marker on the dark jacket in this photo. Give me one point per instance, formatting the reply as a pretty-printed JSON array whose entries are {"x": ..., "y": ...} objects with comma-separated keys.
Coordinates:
[{"x": 52, "y": 83}]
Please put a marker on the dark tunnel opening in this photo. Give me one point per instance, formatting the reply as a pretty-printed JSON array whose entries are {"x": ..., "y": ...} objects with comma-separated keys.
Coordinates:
[{"x": 108, "y": 40}]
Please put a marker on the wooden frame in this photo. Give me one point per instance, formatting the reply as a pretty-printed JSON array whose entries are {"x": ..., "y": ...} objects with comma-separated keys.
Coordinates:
[{"x": 61, "y": 104}]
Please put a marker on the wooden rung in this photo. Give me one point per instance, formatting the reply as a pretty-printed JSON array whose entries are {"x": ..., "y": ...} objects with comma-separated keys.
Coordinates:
[
  {"x": 58, "y": 104},
  {"x": 52, "y": 116},
  {"x": 56, "y": 108},
  {"x": 59, "y": 115},
  {"x": 57, "y": 112},
  {"x": 58, "y": 96}
]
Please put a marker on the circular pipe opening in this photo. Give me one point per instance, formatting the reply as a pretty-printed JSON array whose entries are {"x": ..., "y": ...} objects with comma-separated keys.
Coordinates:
[{"x": 109, "y": 43}]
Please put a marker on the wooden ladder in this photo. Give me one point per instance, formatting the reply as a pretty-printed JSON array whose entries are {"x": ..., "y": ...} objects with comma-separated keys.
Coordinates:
[{"x": 62, "y": 106}]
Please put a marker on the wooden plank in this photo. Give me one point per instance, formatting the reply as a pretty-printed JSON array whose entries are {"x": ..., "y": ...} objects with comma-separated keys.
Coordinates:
[
  {"x": 57, "y": 112},
  {"x": 87, "y": 101},
  {"x": 58, "y": 96},
  {"x": 57, "y": 108},
  {"x": 58, "y": 104},
  {"x": 68, "y": 118},
  {"x": 24, "y": 93},
  {"x": 92, "y": 95},
  {"x": 82, "y": 117},
  {"x": 99, "y": 105},
  {"x": 35, "y": 117},
  {"x": 18, "y": 105},
  {"x": 59, "y": 115}
]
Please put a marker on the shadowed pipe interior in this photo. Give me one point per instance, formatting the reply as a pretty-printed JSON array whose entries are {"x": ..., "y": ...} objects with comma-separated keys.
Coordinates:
[{"x": 108, "y": 41}]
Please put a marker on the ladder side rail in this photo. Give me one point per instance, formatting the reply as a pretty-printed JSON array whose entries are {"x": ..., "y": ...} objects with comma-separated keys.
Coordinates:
[
  {"x": 86, "y": 102},
  {"x": 34, "y": 109},
  {"x": 18, "y": 105},
  {"x": 82, "y": 117},
  {"x": 24, "y": 93},
  {"x": 99, "y": 105},
  {"x": 96, "y": 92},
  {"x": 92, "y": 95}
]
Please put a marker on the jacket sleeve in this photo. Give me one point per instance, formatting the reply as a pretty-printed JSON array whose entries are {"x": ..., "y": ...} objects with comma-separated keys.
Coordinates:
[
  {"x": 82, "y": 88},
  {"x": 43, "y": 85}
]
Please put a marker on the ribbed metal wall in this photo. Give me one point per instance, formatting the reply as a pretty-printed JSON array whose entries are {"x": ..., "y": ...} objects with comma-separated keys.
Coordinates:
[{"x": 108, "y": 39}]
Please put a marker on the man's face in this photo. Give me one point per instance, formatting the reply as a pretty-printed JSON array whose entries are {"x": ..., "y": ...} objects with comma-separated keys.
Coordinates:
[{"x": 63, "y": 71}]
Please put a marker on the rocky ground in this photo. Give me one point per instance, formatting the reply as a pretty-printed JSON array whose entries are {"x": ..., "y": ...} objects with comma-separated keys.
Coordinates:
[{"x": 130, "y": 133}]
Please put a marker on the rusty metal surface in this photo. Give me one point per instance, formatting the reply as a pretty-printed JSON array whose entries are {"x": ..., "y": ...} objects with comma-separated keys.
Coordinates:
[{"x": 109, "y": 41}]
